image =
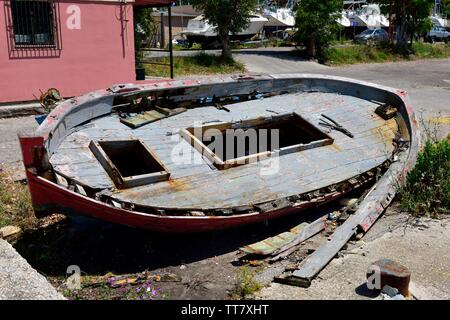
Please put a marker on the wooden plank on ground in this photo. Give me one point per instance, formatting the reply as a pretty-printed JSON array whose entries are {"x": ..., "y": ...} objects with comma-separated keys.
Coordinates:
[{"x": 368, "y": 212}]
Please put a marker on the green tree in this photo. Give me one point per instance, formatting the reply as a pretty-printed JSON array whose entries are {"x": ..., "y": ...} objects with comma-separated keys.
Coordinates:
[
  {"x": 445, "y": 7},
  {"x": 409, "y": 18},
  {"x": 317, "y": 24},
  {"x": 144, "y": 27},
  {"x": 229, "y": 17}
]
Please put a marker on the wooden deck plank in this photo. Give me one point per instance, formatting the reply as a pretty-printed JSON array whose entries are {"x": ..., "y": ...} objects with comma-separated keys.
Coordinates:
[{"x": 203, "y": 185}]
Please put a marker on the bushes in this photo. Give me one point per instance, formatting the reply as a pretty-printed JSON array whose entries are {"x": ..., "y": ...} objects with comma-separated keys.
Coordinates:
[
  {"x": 357, "y": 54},
  {"x": 426, "y": 50},
  {"x": 427, "y": 188},
  {"x": 384, "y": 52}
]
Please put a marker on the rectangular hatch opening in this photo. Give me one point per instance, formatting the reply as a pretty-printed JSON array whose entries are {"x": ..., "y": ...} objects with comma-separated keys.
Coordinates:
[
  {"x": 129, "y": 163},
  {"x": 254, "y": 139}
]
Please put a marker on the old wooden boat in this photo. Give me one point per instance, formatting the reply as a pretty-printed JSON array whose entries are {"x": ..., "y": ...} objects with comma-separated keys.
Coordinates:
[{"x": 141, "y": 155}]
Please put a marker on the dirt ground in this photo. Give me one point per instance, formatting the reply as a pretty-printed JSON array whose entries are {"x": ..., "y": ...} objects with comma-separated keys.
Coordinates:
[
  {"x": 193, "y": 266},
  {"x": 118, "y": 262}
]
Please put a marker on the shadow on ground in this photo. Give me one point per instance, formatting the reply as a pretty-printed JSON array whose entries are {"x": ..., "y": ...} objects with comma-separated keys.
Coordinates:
[
  {"x": 293, "y": 55},
  {"x": 202, "y": 260},
  {"x": 99, "y": 247}
]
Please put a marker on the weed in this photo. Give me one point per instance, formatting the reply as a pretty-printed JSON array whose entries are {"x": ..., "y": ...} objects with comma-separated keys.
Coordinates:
[
  {"x": 427, "y": 188},
  {"x": 15, "y": 203},
  {"x": 350, "y": 54},
  {"x": 248, "y": 284}
]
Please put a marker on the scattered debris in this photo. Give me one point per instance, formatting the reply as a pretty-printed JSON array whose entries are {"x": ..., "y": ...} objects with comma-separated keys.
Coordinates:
[
  {"x": 123, "y": 282},
  {"x": 9, "y": 231},
  {"x": 390, "y": 291},
  {"x": 167, "y": 277},
  {"x": 396, "y": 297},
  {"x": 333, "y": 125},
  {"x": 386, "y": 111},
  {"x": 285, "y": 242},
  {"x": 221, "y": 107},
  {"x": 391, "y": 274},
  {"x": 141, "y": 119},
  {"x": 350, "y": 203},
  {"x": 114, "y": 281},
  {"x": 363, "y": 219},
  {"x": 49, "y": 99},
  {"x": 255, "y": 263},
  {"x": 334, "y": 216}
]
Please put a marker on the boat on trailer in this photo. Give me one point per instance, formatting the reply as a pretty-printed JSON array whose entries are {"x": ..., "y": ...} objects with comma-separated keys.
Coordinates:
[
  {"x": 199, "y": 30},
  {"x": 151, "y": 155}
]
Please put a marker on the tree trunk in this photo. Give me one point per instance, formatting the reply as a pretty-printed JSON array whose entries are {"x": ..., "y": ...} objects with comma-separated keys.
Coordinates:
[
  {"x": 226, "y": 48},
  {"x": 311, "y": 47},
  {"x": 402, "y": 37}
]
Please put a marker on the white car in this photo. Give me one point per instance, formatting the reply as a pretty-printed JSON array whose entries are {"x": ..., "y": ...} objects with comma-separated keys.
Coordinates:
[{"x": 438, "y": 34}]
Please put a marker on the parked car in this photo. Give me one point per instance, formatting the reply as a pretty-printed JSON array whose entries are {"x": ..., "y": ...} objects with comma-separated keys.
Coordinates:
[
  {"x": 372, "y": 35},
  {"x": 438, "y": 34}
]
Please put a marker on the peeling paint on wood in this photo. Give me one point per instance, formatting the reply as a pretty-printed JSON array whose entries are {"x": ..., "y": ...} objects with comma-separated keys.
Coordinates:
[{"x": 67, "y": 132}]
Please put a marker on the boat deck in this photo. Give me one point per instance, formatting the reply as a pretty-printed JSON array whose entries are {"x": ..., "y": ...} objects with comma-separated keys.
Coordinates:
[{"x": 201, "y": 185}]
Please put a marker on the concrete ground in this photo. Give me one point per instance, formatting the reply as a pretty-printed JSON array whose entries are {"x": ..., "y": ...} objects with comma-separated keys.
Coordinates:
[
  {"x": 10, "y": 155},
  {"x": 421, "y": 246}
]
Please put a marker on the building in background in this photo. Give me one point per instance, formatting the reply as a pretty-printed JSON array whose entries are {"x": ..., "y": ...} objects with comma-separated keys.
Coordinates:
[
  {"x": 180, "y": 18},
  {"x": 75, "y": 46}
]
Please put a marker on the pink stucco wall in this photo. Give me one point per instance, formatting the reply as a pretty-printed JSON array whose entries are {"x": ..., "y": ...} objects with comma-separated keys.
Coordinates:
[{"x": 95, "y": 56}]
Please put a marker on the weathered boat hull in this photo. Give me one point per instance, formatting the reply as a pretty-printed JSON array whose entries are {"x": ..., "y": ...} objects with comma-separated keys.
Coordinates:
[{"x": 49, "y": 197}]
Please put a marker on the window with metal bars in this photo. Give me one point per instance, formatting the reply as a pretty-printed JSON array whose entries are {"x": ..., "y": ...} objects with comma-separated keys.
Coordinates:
[{"x": 33, "y": 23}]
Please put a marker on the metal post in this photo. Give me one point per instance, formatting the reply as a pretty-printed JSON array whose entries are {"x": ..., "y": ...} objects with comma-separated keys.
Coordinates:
[
  {"x": 170, "y": 42},
  {"x": 163, "y": 36}
]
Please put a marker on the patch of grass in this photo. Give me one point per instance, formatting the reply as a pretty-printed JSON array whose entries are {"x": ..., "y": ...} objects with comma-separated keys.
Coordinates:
[
  {"x": 15, "y": 203},
  {"x": 358, "y": 53},
  {"x": 431, "y": 51},
  {"x": 427, "y": 188},
  {"x": 248, "y": 284},
  {"x": 199, "y": 64}
]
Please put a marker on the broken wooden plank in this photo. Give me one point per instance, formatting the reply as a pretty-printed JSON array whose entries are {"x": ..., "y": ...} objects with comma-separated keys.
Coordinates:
[
  {"x": 368, "y": 212},
  {"x": 270, "y": 245},
  {"x": 306, "y": 232},
  {"x": 287, "y": 240},
  {"x": 147, "y": 117}
]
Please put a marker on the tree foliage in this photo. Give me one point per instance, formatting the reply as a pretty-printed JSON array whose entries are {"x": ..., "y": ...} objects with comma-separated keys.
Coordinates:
[
  {"x": 445, "y": 7},
  {"x": 229, "y": 16},
  {"x": 317, "y": 24},
  {"x": 409, "y": 17},
  {"x": 144, "y": 27}
]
